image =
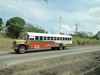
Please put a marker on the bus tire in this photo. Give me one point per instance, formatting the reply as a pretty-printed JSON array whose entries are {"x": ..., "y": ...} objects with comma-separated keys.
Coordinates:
[
  {"x": 22, "y": 49},
  {"x": 60, "y": 47},
  {"x": 63, "y": 47},
  {"x": 16, "y": 50},
  {"x": 52, "y": 48}
]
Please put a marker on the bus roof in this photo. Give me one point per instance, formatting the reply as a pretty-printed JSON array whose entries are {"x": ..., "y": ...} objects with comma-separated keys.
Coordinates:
[{"x": 32, "y": 34}]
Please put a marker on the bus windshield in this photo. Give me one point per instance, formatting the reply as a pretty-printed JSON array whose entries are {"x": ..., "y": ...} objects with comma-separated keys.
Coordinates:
[{"x": 24, "y": 37}]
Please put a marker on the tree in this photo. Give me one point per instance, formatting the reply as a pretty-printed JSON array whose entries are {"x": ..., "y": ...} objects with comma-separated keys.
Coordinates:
[
  {"x": 46, "y": 0},
  {"x": 15, "y": 27},
  {"x": 90, "y": 34},
  {"x": 97, "y": 36},
  {"x": 62, "y": 33},
  {"x": 82, "y": 34},
  {"x": 1, "y": 22},
  {"x": 33, "y": 28}
]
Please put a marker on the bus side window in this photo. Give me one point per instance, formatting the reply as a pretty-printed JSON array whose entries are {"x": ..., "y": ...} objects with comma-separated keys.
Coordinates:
[
  {"x": 70, "y": 39},
  {"x": 54, "y": 38},
  {"x": 63, "y": 38},
  {"x": 48, "y": 38},
  {"x": 31, "y": 38},
  {"x": 44, "y": 38},
  {"x": 41, "y": 37},
  {"x": 36, "y": 37},
  {"x": 58, "y": 38},
  {"x": 51, "y": 38}
]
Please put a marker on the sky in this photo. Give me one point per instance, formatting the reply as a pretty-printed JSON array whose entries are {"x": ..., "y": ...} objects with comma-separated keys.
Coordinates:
[{"x": 56, "y": 15}]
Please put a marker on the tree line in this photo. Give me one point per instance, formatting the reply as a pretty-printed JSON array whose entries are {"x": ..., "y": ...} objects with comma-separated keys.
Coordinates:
[
  {"x": 90, "y": 35},
  {"x": 16, "y": 25}
]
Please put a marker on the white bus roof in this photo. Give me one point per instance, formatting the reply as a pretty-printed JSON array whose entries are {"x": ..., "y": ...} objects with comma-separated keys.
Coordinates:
[{"x": 32, "y": 34}]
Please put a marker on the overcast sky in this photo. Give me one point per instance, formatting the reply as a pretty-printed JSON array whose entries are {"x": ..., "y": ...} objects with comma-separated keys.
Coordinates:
[{"x": 47, "y": 15}]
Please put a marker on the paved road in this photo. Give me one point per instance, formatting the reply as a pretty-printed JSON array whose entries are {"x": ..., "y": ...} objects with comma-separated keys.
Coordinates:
[{"x": 10, "y": 57}]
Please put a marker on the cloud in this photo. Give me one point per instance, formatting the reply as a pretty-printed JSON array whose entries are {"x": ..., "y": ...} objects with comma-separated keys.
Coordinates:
[
  {"x": 65, "y": 29},
  {"x": 90, "y": 1},
  {"x": 96, "y": 28},
  {"x": 27, "y": 9},
  {"x": 40, "y": 11},
  {"x": 95, "y": 13}
]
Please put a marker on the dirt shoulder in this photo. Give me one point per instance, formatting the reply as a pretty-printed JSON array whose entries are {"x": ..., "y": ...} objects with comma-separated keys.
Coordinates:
[{"x": 77, "y": 64}]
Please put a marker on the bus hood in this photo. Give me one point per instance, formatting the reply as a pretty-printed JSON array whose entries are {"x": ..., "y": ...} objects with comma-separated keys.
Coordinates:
[{"x": 21, "y": 41}]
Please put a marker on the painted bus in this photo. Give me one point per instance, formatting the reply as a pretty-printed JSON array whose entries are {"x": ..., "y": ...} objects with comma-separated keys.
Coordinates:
[{"x": 31, "y": 40}]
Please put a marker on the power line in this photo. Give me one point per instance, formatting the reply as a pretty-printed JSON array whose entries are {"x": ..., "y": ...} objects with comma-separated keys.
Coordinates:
[
  {"x": 60, "y": 25},
  {"x": 76, "y": 27}
]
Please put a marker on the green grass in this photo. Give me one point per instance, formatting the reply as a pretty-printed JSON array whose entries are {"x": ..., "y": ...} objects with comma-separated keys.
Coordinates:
[{"x": 87, "y": 40}]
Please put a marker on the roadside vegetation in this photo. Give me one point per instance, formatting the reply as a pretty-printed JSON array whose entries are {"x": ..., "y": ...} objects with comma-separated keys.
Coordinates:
[
  {"x": 79, "y": 41},
  {"x": 5, "y": 42}
]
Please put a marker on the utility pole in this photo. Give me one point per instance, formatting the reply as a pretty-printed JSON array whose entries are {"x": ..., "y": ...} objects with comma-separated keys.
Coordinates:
[
  {"x": 76, "y": 27},
  {"x": 60, "y": 25}
]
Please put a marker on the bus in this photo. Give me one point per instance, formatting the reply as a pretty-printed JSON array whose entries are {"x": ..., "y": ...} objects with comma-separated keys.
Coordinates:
[{"x": 31, "y": 40}]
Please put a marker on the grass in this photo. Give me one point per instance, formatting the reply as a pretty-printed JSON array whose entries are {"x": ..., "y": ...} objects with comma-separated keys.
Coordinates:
[
  {"x": 5, "y": 42},
  {"x": 87, "y": 40}
]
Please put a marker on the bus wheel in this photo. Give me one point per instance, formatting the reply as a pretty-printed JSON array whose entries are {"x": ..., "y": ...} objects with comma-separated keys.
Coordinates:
[
  {"x": 22, "y": 49},
  {"x": 52, "y": 48},
  {"x": 63, "y": 47},
  {"x": 60, "y": 47},
  {"x": 16, "y": 50}
]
